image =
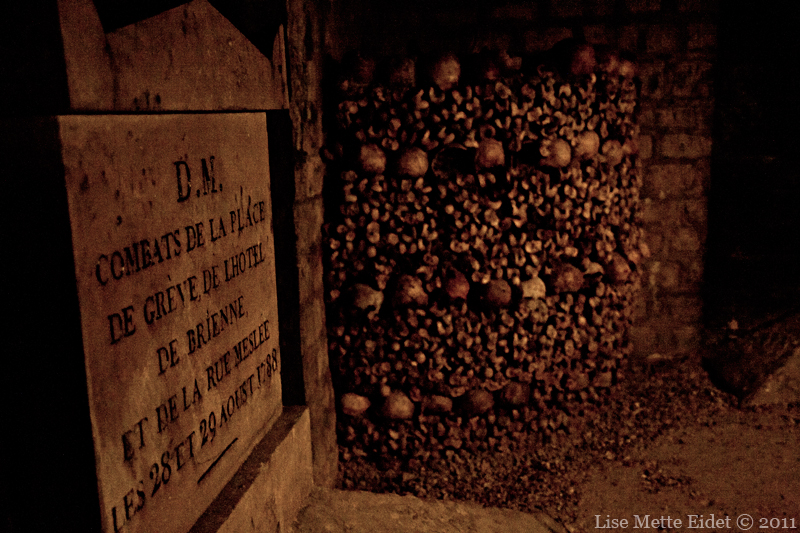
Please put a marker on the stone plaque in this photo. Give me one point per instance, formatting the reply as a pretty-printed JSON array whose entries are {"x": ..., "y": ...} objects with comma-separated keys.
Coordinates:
[{"x": 172, "y": 234}]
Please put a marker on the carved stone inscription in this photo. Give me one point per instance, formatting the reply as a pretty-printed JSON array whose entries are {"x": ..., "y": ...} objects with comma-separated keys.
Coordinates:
[{"x": 172, "y": 234}]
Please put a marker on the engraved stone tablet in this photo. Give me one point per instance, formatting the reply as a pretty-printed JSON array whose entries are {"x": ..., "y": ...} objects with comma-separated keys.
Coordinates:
[{"x": 172, "y": 234}]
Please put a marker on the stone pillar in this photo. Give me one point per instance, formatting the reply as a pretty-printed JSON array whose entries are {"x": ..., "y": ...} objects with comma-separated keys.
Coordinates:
[{"x": 305, "y": 74}]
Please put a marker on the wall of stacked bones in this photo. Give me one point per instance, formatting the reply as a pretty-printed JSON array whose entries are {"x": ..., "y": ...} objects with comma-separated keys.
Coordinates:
[{"x": 483, "y": 244}]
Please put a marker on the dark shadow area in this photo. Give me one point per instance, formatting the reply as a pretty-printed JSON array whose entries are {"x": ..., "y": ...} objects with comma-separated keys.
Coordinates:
[
  {"x": 33, "y": 77},
  {"x": 258, "y": 20},
  {"x": 47, "y": 477},
  {"x": 281, "y": 169},
  {"x": 114, "y": 15},
  {"x": 753, "y": 257}
]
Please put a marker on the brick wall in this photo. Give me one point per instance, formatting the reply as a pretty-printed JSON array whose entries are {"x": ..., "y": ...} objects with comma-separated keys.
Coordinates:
[
  {"x": 675, "y": 55},
  {"x": 674, "y": 42}
]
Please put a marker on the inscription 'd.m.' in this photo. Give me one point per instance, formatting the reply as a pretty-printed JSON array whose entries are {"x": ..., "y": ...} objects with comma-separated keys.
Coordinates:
[{"x": 177, "y": 288}]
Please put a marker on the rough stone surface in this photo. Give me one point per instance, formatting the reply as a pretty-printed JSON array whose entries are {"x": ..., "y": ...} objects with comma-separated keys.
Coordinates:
[
  {"x": 567, "y": 8},
  {"x": 676, "y": 117},
  {"x": 690, "y": 118},
  {"x": 667, "y": 180},
  {"x": 153, "y": 261},
  {"x": 172, "y": 62},
  {"x": 638, "y": 6},
  {"x": 599, "y": 34},
  {"x": 628, "y": 37},
  {"x": 187, "y": 58},
  {"x": 305, "y": 48},
  {"x": 702, "y": 36},
  {"x": 700, "y": 6},
  {"x": 740, "y": 462},
  {"x": 667, "y": 442},
  {"x": 645, "y": 147},
  {"x": 691, "y": 79},
  {"x": 514, "y": 12},
  {"x": 537, "y": 41},
  {"x": 271, "y": 487},
  {"x": 89, "y": 76},
  {"x": 662, "y": 39},
  {"x": 760, "y": 365},
  {"x": 685, "y": 145},
  {"x": 782, "y": 387},
  {"x": 331, "y": 511}
]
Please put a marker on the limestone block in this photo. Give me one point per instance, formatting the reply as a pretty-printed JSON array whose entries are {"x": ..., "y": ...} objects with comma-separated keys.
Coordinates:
[
  {"x": 702, "y": 36},
  {"x": 654, "y": 79},
  {"x": 310, "y": 278},
  {"x": 643, "y": 338},
  {"x": 654, "y": 237},
  {"x": 645, "y": 146},
  {"x": 89, "y": 76},
  {"x": 662, "y": 38},
  {"x": 668, "y": 275},
  {"x": 309, "y": 237},
  {"x": 685, "y": 145},
  {"x": 537, "y": 41},
  {"x": 670, "y": 180},
  {"x": 640, "y": 309},
  {"x": 192, "y": 58},
  {"x": 782, "y": 387},
  {"x": 312, "y": 320},
  {"x": 639, "y": 6},
  {"x": 687, "y": 309},
  {"x": 310, "y": 171},
  {"x": 663, "y": 216},
  {"x": 695, "y": 212},
  {"x": 271, "y": 487},
  {"x": 566, "y": 8},
  {"x": 698, "y": 6},
  {"x": 516, "y": 12},
  {"x": 693, "y": 270},
  {"x": 171, "y": 224},
  {"x": 695, "y": 117},
  {"x": 599, "y": 34},
  {"x": 187, "y": 58},
  {"x": 628, "y": 38},
  {"x": 691, "y": 78},
  {"x": 686, "y": 240}
]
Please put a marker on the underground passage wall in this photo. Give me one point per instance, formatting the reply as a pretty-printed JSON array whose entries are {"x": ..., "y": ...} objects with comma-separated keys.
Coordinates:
[
  {"x": 674, "y": 45},
  {"x": 654, "y": 265}
]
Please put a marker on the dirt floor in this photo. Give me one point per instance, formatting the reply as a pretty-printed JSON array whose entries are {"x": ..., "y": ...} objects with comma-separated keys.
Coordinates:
[{"x": 665, "y": 444}]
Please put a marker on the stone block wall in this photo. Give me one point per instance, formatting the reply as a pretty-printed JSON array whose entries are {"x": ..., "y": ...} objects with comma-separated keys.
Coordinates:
[
  {"x": 674, "y": 44},
  {"x": 676, "y": 60}
]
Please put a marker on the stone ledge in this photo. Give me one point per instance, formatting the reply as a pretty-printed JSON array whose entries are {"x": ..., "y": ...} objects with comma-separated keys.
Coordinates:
[
  {"x": 761, "y": 365},
  {"x": 335, "y": 511},
  {"x": 782, "y": 386},
  {"x": 270, "y": 487}
]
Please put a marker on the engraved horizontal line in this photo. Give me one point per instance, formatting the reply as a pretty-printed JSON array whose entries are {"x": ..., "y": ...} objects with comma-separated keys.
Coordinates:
[{"x": 228, "y": 447}]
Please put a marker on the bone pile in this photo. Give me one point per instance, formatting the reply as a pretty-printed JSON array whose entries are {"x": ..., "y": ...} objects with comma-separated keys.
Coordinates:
[{"x": 482, "y": 249}]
